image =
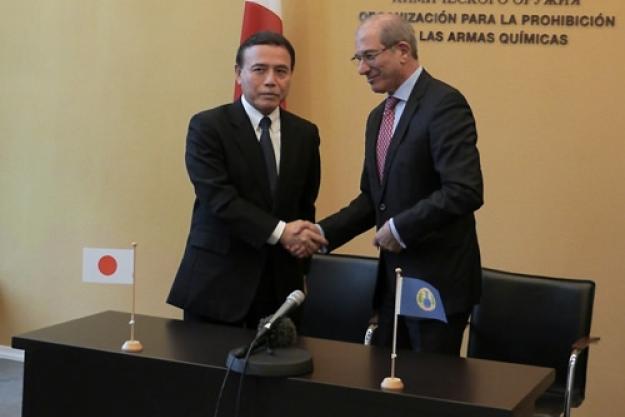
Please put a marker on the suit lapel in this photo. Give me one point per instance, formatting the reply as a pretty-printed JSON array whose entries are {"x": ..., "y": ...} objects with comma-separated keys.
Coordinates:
[
  {"x": 288, "y": 160},
  {"x": 412, "y": 105},
  {"x": 370, "y": 149},
  {"x": 245, "y": 137},
  {"x": 371, "y": 140}
]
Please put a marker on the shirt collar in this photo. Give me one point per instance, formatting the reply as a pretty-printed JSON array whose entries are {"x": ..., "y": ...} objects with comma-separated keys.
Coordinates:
[
  {"x": 404, "y": 90},
  {"x": 255, "y": 115}
]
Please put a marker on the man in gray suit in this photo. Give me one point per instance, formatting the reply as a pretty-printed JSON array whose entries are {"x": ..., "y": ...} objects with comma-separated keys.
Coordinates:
[
  {"x": 420, "y": 187},
  {"x": 255, "y": 170}
]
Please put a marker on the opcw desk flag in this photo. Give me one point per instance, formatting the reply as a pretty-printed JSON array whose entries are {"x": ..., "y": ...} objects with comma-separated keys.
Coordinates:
[
  {"x": 107, "y": 266},
  {"x": 417, "y": 298}
]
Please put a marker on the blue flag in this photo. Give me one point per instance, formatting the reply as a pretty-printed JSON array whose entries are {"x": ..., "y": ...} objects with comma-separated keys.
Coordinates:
[{"x": 417, "y": 298}]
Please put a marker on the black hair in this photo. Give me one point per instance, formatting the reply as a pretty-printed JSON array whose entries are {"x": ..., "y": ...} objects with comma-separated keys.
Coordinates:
[{"x": 265, "y": 38}]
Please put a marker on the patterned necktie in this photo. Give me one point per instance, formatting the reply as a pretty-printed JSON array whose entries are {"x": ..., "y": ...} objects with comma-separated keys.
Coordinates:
[
  {"x": 268, "y": 154},
  {"x": 386, "y": 133}
]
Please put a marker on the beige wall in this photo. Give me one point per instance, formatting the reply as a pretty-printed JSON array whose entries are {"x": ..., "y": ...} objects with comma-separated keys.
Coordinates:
[{"x": 95, "y": 98}]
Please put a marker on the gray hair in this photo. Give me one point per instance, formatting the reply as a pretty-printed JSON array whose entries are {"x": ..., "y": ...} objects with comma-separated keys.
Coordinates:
[{"x": 393, "y": 29}]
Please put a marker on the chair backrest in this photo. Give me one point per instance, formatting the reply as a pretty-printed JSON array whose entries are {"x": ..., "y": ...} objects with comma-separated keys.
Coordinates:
[
  {"x": 533, "y": 320},
  {"x": 339, "y": 301}
]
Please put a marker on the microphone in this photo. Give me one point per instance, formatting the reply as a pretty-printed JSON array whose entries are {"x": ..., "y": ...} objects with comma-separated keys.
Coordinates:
[
  {"x": 282, "y": 334},
  {"x": 292, "y": 301},
  {"x": 276, "y": 332}
]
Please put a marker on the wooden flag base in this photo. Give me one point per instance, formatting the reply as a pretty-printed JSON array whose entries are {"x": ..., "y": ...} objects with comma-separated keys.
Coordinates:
[
  {"x": 133, "y": 346},
  {"x": 392, "y": 384}
]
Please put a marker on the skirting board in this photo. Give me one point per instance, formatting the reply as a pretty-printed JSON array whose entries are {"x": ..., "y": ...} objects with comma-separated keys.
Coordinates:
[{"x": 7, "y": 352}]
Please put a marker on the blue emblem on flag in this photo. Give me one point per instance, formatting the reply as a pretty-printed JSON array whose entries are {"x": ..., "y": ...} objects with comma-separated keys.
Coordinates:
[{"x": 417, "y": 298}]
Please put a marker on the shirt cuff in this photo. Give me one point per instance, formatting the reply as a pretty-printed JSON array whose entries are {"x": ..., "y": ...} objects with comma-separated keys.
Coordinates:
[
  {"x": 277, "y": 233},
  {"x": 322, "y": 249},
  {"x": 396, "y": 234}
]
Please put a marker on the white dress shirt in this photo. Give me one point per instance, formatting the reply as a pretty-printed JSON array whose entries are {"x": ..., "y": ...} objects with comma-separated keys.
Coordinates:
[{"x": 274, "y": 133}]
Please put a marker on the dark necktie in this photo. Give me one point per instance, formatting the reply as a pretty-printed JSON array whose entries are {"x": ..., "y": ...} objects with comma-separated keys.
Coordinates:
[
  {"x": 386, "y": 133},
  {"x": 270, "y": 157}
]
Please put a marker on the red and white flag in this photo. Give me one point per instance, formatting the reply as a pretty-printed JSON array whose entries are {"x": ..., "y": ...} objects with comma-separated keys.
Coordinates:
[
  {"x": 258, "y": 16},
  {"x": 108, "y": 266}
]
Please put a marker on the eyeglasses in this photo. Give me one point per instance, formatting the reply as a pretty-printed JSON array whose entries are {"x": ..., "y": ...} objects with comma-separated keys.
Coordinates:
[{"x": 369, "y": 56}]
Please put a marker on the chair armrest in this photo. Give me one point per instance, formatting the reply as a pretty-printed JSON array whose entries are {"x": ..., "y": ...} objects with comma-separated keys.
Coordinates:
[
  {"x": 369, "y": 334},
  {"x": 373, "y": 325},
  {"x": 578, "y": 347},
  {"x": 584, "y": 342}
]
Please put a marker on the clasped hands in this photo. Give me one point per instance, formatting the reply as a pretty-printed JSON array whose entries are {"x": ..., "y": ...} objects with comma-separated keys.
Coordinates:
[{"x": 302, "y": 238}]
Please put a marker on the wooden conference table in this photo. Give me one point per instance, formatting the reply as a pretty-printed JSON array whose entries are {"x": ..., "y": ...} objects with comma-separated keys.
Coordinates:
[{"x": 78, "y": 369}]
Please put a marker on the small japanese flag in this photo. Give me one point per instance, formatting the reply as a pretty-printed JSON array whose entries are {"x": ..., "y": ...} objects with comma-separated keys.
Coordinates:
[{"x": 107, "y": 266}]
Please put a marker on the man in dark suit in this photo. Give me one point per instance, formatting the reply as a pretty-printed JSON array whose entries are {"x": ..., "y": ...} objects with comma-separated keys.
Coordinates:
[
  {"x": 255, "y": 170},
  {"x": 420, "y": 186}
]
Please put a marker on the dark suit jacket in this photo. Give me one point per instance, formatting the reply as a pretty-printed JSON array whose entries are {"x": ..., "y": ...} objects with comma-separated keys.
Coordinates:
[
  {"x": 234, "y": 213},
  {"x": 432, "y": 185}
]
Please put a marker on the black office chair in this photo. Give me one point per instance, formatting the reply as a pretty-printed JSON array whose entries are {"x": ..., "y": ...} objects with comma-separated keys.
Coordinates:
[
  {"x": 338, "y": 302},
  {"x": 537, "y": 321}
]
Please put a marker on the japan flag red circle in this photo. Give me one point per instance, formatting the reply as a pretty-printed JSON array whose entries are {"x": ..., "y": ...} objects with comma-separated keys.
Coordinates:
[{"x": 107, "y": 265}]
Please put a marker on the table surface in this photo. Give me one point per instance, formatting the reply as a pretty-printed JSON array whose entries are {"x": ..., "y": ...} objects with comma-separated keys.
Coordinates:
[{"x": 474, "y": 382}]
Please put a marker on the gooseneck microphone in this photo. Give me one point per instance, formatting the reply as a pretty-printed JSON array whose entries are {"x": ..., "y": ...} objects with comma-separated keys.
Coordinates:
[
  {"x": 292, "y": 301},
  {"x": 277, "y": 334},
  {"x": 276, "y": 330},
  {"x": 282, "y": 334}
]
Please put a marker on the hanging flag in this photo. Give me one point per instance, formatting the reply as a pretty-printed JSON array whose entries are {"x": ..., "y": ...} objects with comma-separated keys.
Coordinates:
[
  {"x": 258, "y": 16},
  {"x": 108, "y": 266},
  {"x": 261, "y": 15},
  {"x": 417, "y": 298}
]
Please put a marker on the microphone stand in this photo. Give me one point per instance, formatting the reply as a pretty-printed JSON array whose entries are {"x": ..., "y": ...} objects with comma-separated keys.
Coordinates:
[{"x": 274, "y": 361}]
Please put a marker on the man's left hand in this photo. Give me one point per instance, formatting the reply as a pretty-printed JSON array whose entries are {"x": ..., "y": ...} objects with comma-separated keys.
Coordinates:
[{"x": 385, "y": 240}]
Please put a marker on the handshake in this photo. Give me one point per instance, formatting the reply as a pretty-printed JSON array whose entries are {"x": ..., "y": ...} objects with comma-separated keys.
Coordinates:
[{"x": 302, "y": 238}]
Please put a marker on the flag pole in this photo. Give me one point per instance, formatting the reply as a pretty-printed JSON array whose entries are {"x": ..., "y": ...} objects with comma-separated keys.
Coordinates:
[
  {"x": 393, "y": 383},
  {"x": 133, "y": 345}
]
